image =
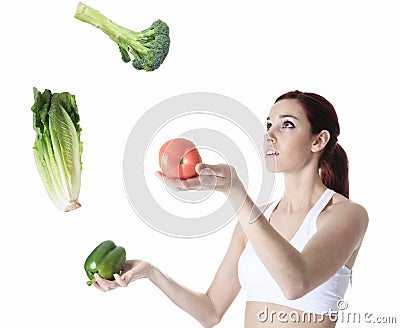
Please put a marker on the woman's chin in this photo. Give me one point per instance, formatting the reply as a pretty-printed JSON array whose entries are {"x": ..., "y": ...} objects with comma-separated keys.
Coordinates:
[{"x": 271, "y": 166}]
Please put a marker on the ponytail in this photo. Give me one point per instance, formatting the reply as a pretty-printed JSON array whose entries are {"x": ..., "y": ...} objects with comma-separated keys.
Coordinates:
[{"x": 334, "y": 170}]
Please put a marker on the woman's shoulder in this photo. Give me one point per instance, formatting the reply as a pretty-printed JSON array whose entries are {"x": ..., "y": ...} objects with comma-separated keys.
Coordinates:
[
  {"x": 342, "y": 206},
  {"x": 340, "y": 201}
]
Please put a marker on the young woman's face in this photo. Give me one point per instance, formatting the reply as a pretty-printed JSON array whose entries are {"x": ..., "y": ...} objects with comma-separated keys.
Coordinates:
[{"x": 288, "y": 139}]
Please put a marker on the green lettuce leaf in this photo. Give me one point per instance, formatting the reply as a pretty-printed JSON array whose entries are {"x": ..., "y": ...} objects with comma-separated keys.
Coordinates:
[{"x": 57, "y": 147}]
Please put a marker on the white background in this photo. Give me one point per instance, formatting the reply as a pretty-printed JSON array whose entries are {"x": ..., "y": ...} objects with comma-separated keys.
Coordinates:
[{"x": 252, "y": 51}]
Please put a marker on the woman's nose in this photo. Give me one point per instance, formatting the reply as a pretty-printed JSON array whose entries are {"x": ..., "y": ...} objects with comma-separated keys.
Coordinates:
[{"x": 269, "y": 137}]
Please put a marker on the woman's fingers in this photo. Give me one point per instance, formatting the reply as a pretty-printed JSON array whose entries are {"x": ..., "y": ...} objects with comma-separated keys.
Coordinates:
[
  {"x": 133, "y": 269},
  {"x": 218, "y": 177},
  {"x": 201, "y": 182},
  {"x": 177, "y": 184},
  {"x": 210, "y": 177},
  {"x": 220, "y": 170},
  {"x": 159, "y": 174},
  {"x": 121, "y": 282},
  {"x": 104, "y": 283},
  {"x": 103, "y": 289},
  {"x": 208, "y": 182}
]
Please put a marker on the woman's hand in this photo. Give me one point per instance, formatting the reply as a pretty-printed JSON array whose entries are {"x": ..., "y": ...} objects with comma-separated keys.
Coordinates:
[
  {"x": 221, "y": 177},
  {"x": 132, "y": 270}
]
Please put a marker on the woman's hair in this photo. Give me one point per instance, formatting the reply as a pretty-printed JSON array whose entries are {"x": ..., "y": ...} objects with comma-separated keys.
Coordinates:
[{"x": 333, "y": 163}]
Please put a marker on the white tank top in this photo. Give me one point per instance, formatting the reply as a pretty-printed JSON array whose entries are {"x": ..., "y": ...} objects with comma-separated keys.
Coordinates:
[{"x": 260, "y": 286}]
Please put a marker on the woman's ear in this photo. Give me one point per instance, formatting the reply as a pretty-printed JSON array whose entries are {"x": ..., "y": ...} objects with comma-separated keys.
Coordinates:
[{"x": 320, "y": 141}]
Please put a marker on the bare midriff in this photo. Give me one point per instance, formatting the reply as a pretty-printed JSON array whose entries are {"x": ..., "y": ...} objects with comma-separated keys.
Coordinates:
[{"x": 260, "y": 314}]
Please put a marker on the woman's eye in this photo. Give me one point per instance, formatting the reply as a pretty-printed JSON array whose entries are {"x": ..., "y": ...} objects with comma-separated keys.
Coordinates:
[
  {"x": 269, "y": 126},
  {"x": 288, "y": 124}
]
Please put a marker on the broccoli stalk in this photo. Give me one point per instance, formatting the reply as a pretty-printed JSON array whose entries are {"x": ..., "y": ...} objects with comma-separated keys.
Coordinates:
[{"x": 148, "y": 48}]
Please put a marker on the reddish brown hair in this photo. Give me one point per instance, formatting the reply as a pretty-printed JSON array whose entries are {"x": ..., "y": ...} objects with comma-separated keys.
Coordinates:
[{"x": 333, "y": 163}]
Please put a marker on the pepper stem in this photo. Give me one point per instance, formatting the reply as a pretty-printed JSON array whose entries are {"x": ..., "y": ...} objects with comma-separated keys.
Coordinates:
[{"x": 91, "y": 281}]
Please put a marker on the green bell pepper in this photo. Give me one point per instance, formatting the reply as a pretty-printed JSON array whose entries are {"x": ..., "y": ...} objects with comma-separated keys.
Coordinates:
[{"x": 106, "y": 259}]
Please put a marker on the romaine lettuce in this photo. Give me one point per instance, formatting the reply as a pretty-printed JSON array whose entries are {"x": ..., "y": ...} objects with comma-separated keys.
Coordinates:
[{"x": 58, "y": 148}]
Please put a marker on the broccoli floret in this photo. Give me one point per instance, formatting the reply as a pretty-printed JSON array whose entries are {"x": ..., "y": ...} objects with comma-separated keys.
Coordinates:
[{"x": 147, "y": 49}]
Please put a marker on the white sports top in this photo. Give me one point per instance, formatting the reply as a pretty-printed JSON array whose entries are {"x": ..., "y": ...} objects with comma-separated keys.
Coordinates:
[{"x": 260, "y": 286}]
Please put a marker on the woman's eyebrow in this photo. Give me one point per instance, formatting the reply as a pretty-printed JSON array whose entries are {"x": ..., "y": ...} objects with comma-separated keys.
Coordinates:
[{"x": 284, "y": 116}]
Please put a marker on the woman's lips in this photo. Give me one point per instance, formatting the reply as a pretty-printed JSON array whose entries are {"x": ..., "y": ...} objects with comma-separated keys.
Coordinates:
[{"x": 271, "y": 152}]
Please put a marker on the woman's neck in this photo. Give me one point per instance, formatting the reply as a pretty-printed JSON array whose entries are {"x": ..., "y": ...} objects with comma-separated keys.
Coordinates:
[{"x": 301, "y": 190}]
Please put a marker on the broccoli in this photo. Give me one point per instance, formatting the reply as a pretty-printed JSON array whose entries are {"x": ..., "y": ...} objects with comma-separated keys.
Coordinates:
[{"x": 148, "y": 48}]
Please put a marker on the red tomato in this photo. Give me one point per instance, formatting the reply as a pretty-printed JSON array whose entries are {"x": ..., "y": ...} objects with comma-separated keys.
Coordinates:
[{"x": 178, "y": 158}]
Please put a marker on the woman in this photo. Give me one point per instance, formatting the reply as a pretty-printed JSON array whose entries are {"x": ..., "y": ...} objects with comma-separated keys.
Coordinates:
[{"x": 286, "y": 257}]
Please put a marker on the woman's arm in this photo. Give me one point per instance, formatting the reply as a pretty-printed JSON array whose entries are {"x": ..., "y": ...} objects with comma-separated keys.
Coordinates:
[
  {"x": 295, "y": 272},
  {"x": 208, "y": 308}
]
